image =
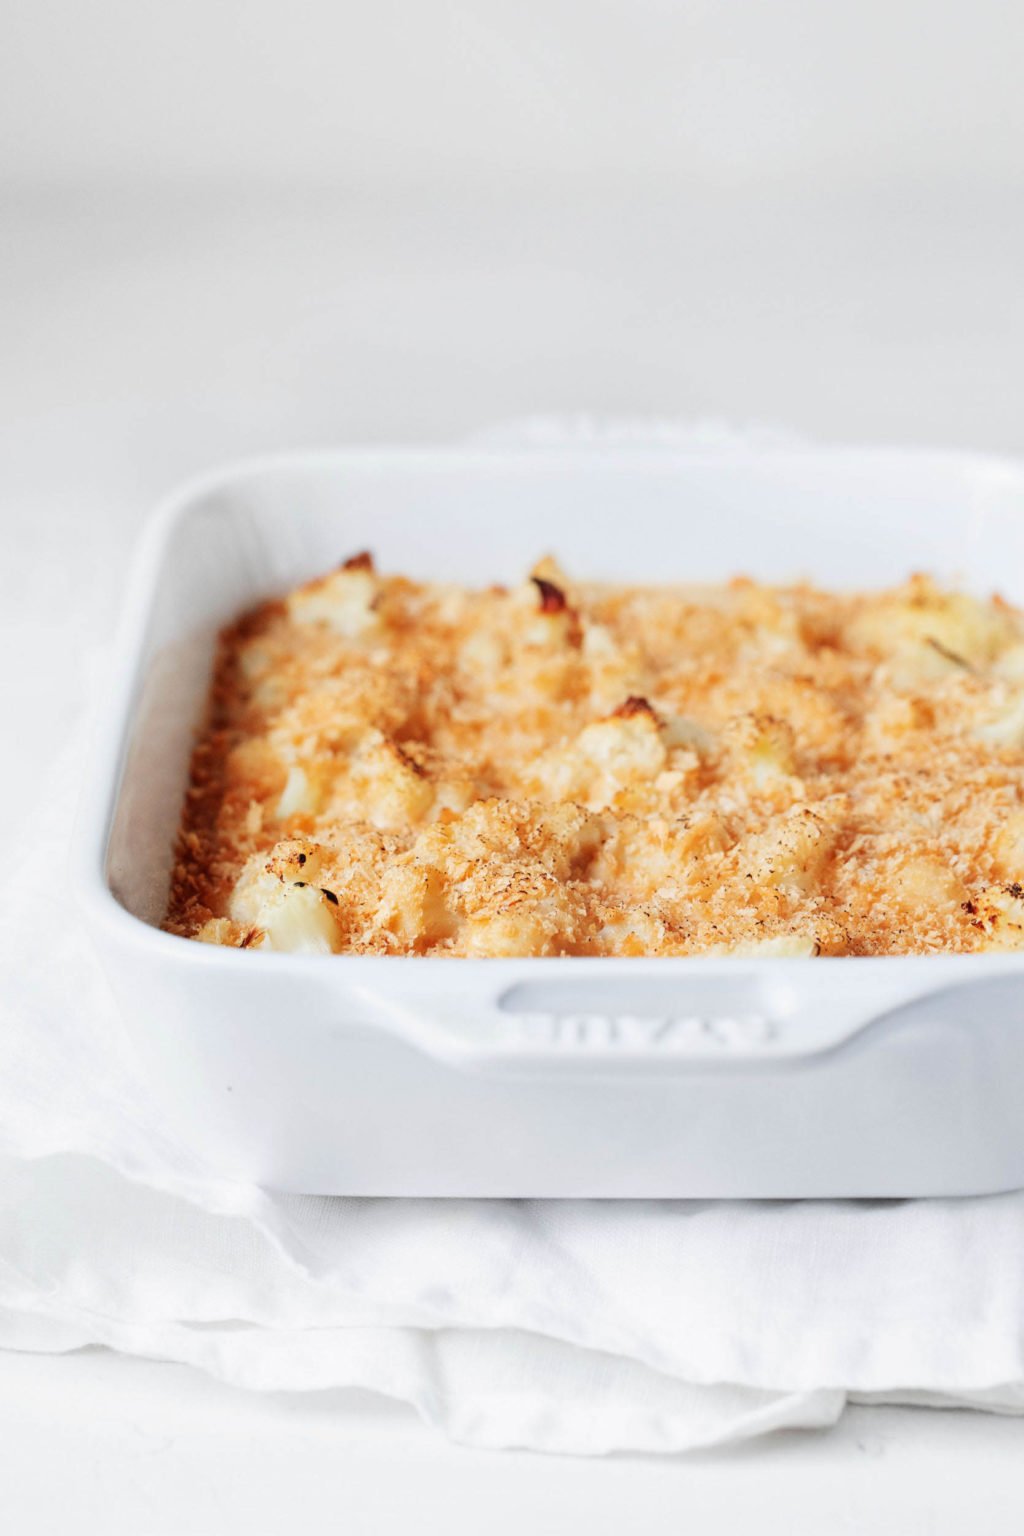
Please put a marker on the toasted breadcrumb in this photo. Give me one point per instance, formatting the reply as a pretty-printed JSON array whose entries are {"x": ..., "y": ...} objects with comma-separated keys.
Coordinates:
[{"x": 393, "y": 767}]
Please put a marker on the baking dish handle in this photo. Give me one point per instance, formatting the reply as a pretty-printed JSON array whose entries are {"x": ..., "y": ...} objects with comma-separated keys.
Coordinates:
[{"x": 781, "y": 1011}]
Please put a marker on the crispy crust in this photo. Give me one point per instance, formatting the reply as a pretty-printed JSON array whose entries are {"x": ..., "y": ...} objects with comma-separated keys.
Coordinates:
[{"x": 391, "y": 767}]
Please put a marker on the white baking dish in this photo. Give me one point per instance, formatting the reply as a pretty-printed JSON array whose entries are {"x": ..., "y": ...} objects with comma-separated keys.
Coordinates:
[{"x": 691, "y": 1077}]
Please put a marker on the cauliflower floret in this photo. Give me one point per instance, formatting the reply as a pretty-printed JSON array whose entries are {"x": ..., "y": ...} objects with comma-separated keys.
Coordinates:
[
  {"x": 679, "y": 732},
  {"x": 792, "y": 854},
  {"x": 1010, "y": 664},
  {"x": 389, "y": 788},
  {"x": 370, "y": 779},
  {"x": 925, "y": 880},
  {"x": 999, "y": 915},
  {"x": 606, "y": 757},
  {"x": 526, "y": 910},
  {"x": 1003, "y": 725},
  {"x": 958, "y": 628},
  {"x": 344, "y": 601},
  {"x": 532, "y": 650},
  {"x": 763, "y": 748},
  {"x": 292, "y": 914},
  {"x": 414, "y": 905},
  {"x": 614, "y": 671},
  {"x": 637, "y": 932},
  {"x": 300, "y": 795}
]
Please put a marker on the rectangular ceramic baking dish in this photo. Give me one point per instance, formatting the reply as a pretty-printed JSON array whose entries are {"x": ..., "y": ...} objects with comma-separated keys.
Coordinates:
[{"x": 551, "y": 1077}]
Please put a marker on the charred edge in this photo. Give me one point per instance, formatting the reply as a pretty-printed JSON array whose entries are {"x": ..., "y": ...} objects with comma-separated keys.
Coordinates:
[
  {"x": 552, "y": 598},
  {"x": 253, "y": 936},
  {"x": 330, "y": 896},
  {"x": 302, "y": 858},
  {"x": 969, "y": 908},
  {"x": 634, "y": 705},
  {"x": 363, "y": 561},
  {"x": 1016, "y": 890}
]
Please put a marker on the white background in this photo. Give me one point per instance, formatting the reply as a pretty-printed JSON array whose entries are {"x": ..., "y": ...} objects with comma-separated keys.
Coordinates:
[
  {"x": 234, "y": 227},
  {"x": 666, "y": 92}
]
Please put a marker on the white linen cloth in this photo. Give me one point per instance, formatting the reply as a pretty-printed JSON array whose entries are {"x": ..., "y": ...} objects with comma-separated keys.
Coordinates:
[{"x": 571, "y": 1326}]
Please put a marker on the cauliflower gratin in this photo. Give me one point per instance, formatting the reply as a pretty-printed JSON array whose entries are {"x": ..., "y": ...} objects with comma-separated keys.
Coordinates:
[{"x": 393, "y": 767}]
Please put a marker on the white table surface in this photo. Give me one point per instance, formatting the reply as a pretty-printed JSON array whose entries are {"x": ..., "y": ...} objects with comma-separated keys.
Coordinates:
[
  {"x": 146, "y": 337},
  {"x": 132, "y": 1448}
]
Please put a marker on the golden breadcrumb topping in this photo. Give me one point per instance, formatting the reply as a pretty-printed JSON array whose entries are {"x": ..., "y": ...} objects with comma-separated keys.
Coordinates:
[{"x": 404, "y": 768}]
